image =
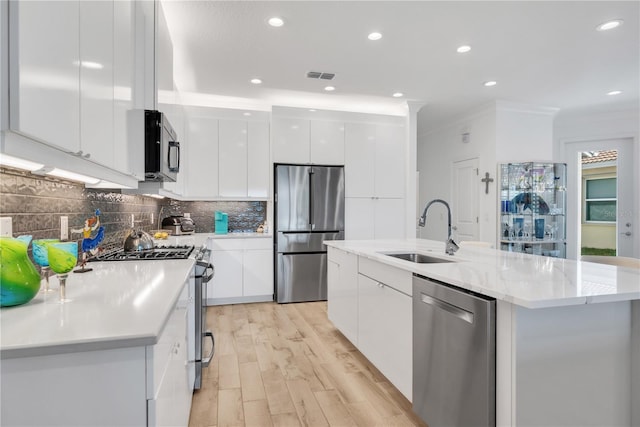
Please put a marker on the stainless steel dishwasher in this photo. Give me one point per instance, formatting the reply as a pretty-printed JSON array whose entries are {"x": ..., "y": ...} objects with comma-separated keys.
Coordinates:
[{"x": 454, "y": 355}]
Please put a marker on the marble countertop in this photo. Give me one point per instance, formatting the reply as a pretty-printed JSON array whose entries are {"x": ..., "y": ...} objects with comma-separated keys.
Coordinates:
[
  {"x": 118, "y": 304},
  {"x": 526, "y": 280}
]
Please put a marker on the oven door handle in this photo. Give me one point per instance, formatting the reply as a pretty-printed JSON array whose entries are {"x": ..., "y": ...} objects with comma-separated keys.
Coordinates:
[
  {"x": 207, "y": 360},
  {"x": 206, "y": 278}
]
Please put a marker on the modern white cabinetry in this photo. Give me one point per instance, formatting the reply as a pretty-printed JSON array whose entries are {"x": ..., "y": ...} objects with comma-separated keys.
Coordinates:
[
  {"x": 44, "y": 66},
  {"x": 124, "y": 75},
  {"x": 243, "y": 270},
  {"x": 299, "y": 140},
  {"x": 258, "y": 159},
  {"x": 374, "y": 181},
  {"x": 326, "y": 142},
  {"x": 141, "y": 386},
  {"x": 386, "y": 340},
  {"x": 290, "y": 140},
  {"x": 342, "y": 292},
  {"x": 201, "y": 160},
  {"x": 370, "y": 303},
  {"x": 232, "y": 161},
  {"x": 96, "y": 81},
  {"x": 228, "y": 157},
  {"x": 71, "y": 76},
  {"x": 169, "y": 384}
]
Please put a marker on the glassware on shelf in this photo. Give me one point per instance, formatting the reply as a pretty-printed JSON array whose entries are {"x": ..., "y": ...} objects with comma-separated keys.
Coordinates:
[
  {"x": 41, "y": 258},
  {"x": 63, "y": 257}
]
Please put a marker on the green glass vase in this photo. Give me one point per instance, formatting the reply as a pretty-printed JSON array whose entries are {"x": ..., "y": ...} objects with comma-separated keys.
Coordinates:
[{"x": 19, "y": 278}]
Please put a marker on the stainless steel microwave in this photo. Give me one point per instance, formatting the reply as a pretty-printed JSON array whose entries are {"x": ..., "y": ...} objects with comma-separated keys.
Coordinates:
[{"x": 162, "y": 149}]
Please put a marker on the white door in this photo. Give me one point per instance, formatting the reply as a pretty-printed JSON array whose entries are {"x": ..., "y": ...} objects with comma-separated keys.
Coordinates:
[
  {"x": 626, "y": 201},
  {"x": 464, "y": 199}
]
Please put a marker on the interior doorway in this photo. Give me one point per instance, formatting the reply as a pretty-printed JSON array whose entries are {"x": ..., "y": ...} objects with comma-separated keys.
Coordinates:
[{"x": 593, "y": 201}]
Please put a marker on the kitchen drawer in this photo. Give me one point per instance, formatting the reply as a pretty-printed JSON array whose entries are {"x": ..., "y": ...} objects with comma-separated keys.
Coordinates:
[
  {"x": 396, "y": 278},
  {"x": 159, "y": 356}
]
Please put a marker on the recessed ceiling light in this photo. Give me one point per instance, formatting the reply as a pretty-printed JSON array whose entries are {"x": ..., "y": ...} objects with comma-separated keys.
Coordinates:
[
  {"x": 374, "y": 36},
  {"x": 256, "y": 81},
  {"x": 609, "y": 25},
  {"x": 329, "y": 88},
  {"x": 463, "y": 49},
  {"x": 490, "y": 83},
  {"x": 614, "y": 92},
  {"x": 398, "y": 95},
  {"x": 276, "y": 22},
  {"x": 246, "y": 114},
  {"x": 312, "y": 110}
]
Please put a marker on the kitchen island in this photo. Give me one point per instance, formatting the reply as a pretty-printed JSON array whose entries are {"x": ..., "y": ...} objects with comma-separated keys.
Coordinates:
[
  {"x": 567, "y": 332},
  {"x": 117, "y": 354}
]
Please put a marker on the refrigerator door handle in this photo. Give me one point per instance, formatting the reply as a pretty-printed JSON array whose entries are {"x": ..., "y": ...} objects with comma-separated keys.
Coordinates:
[{"x": 311, "y": 224}]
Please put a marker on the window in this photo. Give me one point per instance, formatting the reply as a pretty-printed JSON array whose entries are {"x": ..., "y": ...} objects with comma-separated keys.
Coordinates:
[{"x": 600, "y": 200}]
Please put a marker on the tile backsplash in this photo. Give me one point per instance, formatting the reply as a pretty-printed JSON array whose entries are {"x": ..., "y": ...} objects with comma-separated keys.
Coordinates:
[{"x": 36, "y": 203}]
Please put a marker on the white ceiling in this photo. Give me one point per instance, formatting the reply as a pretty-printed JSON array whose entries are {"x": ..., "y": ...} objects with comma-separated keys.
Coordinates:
[{"x": 545, "y": 53}]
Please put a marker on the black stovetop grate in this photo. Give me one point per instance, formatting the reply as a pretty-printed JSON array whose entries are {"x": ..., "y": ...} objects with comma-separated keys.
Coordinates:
[{"x": 157, "y": 253}]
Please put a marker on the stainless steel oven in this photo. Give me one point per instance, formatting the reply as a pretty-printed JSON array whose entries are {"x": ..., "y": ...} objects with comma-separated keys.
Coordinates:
[{"x": 204, "y": 272}]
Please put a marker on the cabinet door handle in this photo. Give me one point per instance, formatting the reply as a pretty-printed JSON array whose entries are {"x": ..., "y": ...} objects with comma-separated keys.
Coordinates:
[{"x": 207, "y": 360}]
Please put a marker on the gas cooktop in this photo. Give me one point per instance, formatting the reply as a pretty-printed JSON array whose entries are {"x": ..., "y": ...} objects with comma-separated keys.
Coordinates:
[{"x": 159, "y": 252}]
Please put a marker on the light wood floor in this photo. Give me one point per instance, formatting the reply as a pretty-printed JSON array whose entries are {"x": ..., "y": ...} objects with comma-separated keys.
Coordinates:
[{"x": 286, "y": 365}]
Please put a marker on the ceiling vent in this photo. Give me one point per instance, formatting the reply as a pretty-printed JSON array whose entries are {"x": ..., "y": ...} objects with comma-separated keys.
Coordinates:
[{"x": 318, "y": 75}]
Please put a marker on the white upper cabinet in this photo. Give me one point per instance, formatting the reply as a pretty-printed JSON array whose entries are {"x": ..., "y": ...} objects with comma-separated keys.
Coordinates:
[
  {"x": 165, "y": 89},
  {"x": 201, "y": 165},
  {"x": 44, "y": 72},
  {"x": 374, "y": 180},
  {"x": 374, "y": 160},
  {"x": 228, "y": 157},
  {"x": 258, "y": 159},
  {"x": 123, "y": 79},
  {"x": 360, "y": 155},
  {"x": 290, "y": 140},
  {"x": 300, "y": 140},
  {"x": 72, "y": 72},
  {"x": 326, "y": 142},
  {"x": 390, "y": 161},
  {"x": 96, "y": 81},
  {"x": 232, "y": 161}
]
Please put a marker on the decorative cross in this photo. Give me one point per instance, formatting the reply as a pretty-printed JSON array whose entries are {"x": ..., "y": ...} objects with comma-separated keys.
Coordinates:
[{"x": 486, "y": 180}]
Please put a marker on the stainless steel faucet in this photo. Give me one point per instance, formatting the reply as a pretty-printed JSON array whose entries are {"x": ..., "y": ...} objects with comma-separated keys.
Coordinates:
[{"x": 450, "y": 246}]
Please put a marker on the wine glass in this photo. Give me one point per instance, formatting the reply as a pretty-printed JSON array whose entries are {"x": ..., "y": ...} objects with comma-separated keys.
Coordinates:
[
  {"x": 63, "y": 257},
  {"x": 39, "y": 251}
]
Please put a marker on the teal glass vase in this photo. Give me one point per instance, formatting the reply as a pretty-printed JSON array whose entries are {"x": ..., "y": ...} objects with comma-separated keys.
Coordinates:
[{"x": 19, "y": 278}]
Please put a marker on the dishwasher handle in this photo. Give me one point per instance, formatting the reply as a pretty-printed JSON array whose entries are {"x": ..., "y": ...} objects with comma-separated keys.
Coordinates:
[{"x": 460, "y": 313}]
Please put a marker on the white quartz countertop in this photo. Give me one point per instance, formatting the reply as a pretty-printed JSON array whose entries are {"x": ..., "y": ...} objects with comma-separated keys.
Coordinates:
[
  {"x": 118, "y": 304},
  {"x": 526, "y": 280},
  {"x": 198, "y": 239}
]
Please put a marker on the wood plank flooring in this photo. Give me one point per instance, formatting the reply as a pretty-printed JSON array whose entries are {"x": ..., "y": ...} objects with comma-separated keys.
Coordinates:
[{"x": 286, "y": 365}]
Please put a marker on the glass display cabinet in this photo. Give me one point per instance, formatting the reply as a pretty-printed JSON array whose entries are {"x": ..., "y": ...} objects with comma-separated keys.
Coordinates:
[{"x": 532, "y": 208}]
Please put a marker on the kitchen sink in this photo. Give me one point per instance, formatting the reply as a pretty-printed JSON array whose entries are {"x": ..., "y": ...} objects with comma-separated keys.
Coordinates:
[{"x": 418, "y": 258}]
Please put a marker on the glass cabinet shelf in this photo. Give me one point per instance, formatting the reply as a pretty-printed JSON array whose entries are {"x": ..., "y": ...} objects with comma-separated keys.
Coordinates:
[{"x": 533, "y": 208}]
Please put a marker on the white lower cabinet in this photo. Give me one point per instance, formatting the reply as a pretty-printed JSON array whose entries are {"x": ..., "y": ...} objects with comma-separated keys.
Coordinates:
[
  {"x": 169, "y": 384},
  {"x": 385, "y": 331},
  {"x": 371, "y": 304},
  {"x": 130, "y": 386},
  {"x": 342, "y": 292},
  {"x": 243, "y": 270}
]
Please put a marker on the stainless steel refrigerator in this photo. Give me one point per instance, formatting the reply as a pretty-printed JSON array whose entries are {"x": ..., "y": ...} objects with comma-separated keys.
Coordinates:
[{"x": 309, "y": 208}]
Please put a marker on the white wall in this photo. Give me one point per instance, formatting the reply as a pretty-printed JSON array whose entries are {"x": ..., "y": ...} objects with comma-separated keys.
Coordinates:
[
  {"x": 499, "y": 132},
  {"x": 587, "y": 126},
  {"x": 437, "y": 150},
  {"x": 524, "y": 133}
]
